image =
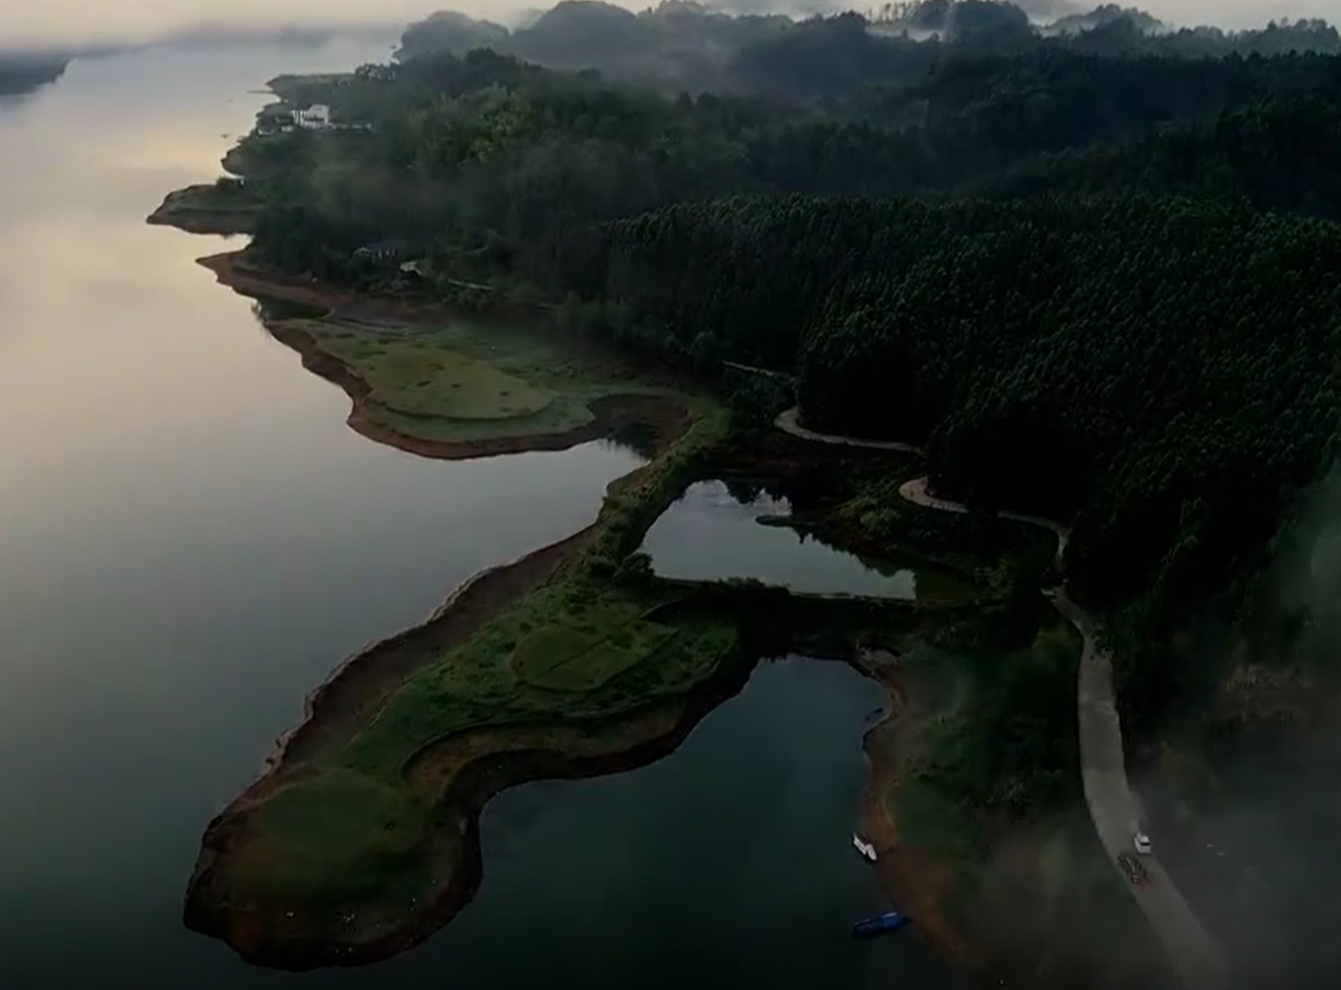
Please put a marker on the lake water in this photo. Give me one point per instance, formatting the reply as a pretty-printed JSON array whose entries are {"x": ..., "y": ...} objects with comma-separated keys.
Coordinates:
[
  {"x": 192, "y": 539},
  {"x": 711, "y": 534}
]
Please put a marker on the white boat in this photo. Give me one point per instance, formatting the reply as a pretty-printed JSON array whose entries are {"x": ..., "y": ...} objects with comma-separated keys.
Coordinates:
[{"x": 867, "y": 849}]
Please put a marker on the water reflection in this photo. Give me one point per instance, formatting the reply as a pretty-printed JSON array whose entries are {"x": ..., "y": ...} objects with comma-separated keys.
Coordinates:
[
  {"x": 718, "y": 530},
  {"x": 193, "y": 537},
  {"x": 727, "y": 864}
]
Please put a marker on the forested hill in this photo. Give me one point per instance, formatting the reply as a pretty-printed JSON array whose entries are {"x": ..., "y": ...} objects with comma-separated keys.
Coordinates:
[
  {"x": 681, "y": 44},
  {"x": 1156, "y": 366}
]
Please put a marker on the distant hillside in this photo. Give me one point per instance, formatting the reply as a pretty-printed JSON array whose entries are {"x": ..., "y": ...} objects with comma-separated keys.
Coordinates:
[
  {"x": 1103, "y": 16},
  {"x": 681, "y": 44},
  {"x": 1281, "y": 154}
]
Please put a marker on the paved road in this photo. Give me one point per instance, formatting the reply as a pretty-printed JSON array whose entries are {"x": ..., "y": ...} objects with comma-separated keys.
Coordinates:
[
  {"x": 1196, "y": 958},
  {"x": 789, "y": 422}
]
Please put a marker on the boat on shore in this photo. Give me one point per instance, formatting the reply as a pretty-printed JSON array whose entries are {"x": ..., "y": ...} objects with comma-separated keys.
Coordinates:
[
  {"x": 867, "y": 849},
  {"x": 890, "y": 921}
]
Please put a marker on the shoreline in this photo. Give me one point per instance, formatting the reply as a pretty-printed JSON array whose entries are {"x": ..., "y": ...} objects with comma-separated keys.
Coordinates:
[
  {"x": 356, "y": 689},
  {"x": 357, "y": 686},
  {"x": 904, "y": 880},
  {"x": 610, "y": 413},
  {"x": 360, "y": 684},
  {"x": 650, "y": 735},
  {"x": 177, "y": 211}
]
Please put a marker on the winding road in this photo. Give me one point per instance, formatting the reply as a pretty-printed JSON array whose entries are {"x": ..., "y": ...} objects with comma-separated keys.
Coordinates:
[{"x": 1197, "y": 959}]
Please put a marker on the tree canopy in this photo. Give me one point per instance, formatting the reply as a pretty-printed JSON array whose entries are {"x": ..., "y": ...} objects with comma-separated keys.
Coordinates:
[
  {"x": 1149, "y": 365},
  {"x": 1093, "y": 284}
]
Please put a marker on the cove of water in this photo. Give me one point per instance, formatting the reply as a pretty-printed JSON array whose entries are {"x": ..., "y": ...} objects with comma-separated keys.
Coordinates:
[
  {"x": 192, "y": 539},
  {"x": 710, "y": 534}
]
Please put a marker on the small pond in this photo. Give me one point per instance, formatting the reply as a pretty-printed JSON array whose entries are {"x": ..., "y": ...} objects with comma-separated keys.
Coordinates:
[{"x": 711, "y": 534}]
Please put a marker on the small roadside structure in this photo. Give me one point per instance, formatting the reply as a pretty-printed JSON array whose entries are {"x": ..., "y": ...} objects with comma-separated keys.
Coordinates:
[
  {"x": 381, "y": 252},
  {"x": 317, "y": 117}
]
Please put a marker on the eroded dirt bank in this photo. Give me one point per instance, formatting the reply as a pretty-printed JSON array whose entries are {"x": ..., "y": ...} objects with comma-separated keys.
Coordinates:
[
  {"x": 610, "y": 414},
  {"x": 664, "y": 414},
  {"x": 232, "y": 270},
  {"x": 918, "y": 886}
]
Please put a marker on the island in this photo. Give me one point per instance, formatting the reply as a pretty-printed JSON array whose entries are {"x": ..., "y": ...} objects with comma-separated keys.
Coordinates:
[{"x": 1071, "y": 362}]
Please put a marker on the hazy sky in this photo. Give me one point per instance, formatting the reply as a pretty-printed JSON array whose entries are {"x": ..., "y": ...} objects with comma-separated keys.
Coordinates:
[{"x": 83, "y": 20}]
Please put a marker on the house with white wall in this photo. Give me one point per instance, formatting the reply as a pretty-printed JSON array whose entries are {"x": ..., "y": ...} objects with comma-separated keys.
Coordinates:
[{"x": 317, "y": 117}]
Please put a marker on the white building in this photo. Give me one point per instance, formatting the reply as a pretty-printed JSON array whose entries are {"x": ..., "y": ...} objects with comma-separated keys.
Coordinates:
[{"x": 316, "y": 117}]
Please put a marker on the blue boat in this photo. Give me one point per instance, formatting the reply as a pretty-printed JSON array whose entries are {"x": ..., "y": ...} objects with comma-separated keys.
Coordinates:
[{"x": 890, "y": 921}]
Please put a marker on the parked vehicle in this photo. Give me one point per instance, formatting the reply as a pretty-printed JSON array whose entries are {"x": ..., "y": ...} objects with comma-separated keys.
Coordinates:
[
  {"x": 1133, "y": 868},
  {"x": 1142, "y": 843}
]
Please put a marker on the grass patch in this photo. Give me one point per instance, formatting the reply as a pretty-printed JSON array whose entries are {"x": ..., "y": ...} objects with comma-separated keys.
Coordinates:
[
  {"x": 573, "y": 651},
  {"x": 419, "y": 376},
  {"x": 332, "y": 839},
  {"x": 472, "y": 381},
  {"x": 585, "y": 651}
]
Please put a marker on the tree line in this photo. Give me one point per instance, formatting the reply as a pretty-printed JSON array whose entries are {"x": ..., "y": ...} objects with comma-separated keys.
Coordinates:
[{"x": 469, "y": 153}]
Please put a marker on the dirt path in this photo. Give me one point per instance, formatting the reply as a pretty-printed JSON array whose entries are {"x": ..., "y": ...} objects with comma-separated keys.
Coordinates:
[
  {"x": 789, "y": 422},
  {"x": 1196, "y": 958}
]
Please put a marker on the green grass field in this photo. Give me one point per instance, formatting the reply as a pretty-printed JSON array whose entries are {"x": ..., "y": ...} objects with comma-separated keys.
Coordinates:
[
  {"x": 420, "y": 376},
  {"x": 470, "y": 381},
  {"x": 584, "y": 651},
  {"x": 349, "y": 826},
  {"x": 339, "y": 823}
]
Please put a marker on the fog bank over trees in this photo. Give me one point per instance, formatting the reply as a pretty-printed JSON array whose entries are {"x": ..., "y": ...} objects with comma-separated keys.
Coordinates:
[{"x": 78, "y": 22}]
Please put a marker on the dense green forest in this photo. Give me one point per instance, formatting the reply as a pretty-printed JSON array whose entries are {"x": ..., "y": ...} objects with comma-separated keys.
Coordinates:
[
  {"x": 1150, "y": 365},
  {"x": 1060, "y": 333},
  {"x": 1280, "y": 154},
  {"x": 486, "y": 154},
  {"x": 688, "y": 45}
]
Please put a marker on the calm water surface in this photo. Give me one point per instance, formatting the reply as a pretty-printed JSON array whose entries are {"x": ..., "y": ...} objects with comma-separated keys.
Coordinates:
[
  {"x": 710, "y": 534},
  {"x": 192, "y": 538}
]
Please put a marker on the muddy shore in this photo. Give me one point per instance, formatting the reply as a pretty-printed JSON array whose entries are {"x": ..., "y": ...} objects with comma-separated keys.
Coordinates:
[
  {"x": 232, "y": 270},
  {"x": 610, "y": 414},
  {"x": 178, "y": 210}
]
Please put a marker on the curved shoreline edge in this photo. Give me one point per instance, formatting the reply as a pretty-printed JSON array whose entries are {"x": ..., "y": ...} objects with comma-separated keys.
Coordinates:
[
  {"x": 354, "y": 691},
  {"x": 653, "y": 734},
  {"x": 609, "y": 413}
]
